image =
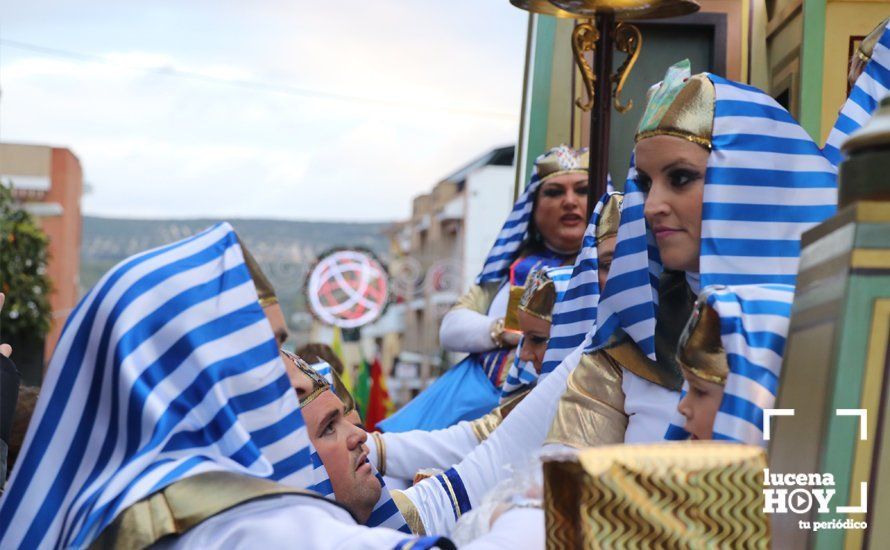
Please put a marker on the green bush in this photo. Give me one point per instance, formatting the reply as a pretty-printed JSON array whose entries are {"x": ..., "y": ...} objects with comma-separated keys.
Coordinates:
[{"x": 23, "y": 259}]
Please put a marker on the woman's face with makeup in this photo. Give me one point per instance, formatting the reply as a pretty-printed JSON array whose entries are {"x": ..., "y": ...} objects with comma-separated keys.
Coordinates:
[{"x": 671, "y": 171}]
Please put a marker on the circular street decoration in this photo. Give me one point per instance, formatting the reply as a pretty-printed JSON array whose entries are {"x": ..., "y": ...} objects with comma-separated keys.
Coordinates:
[{"x": 347, "y": 288}]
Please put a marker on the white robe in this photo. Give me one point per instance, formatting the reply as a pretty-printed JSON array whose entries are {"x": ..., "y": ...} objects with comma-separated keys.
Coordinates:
[
  {"x": 296, "y": 522},
  {"x": 408, "y": 452}
]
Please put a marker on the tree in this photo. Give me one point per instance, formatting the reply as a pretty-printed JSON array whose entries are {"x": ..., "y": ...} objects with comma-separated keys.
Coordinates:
[{"x": 25, "y": 318}]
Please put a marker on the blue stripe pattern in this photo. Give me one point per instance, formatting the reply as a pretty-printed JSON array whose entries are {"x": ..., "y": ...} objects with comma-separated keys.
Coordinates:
[
  {"x": 158, "y": 376},
  {"x": 522, "y": 374},
  {"x": 752, "y": 219},
  {"x": 575, "y": 311},
  {"x": 453, "y": 486},
  {"x": 870, "y": 88}
]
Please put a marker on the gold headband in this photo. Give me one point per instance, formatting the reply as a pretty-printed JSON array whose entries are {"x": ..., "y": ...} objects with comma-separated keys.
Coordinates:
[
  {"x": 562, "y": 160},
  {"x": 539, "y": 295},
  {"x": 700, "y": 349},
  {"x": 265, "y": 292},
  {"x": 610, "y": 218},
  {"x": 319, "y": 384},
  {"x": 680, "y": 106}
]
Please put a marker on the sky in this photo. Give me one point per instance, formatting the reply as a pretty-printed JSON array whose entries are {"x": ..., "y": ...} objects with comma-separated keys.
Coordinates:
[{"x": 338, "y": 111}]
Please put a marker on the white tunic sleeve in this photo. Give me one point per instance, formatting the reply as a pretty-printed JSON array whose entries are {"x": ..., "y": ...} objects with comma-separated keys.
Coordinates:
[
  {"x": 516, "y": 440},
  {"x": 293, "y": 522},
  {"x": 407, "y": 452},
  {"x": 469, "y": 331}
]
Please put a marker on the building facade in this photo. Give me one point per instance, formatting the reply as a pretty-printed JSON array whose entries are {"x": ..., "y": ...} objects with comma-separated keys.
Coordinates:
[
  {"x": 437, "y": 254},
  {"x": 49, "y": 181}
]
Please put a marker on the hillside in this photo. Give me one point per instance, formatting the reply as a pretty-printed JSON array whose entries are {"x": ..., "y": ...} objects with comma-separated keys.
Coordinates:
[{"x": 285, "y": 249}]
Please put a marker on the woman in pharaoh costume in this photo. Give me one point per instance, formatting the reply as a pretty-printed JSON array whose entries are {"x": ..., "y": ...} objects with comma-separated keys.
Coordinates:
[
  {"x": 545, "y": 227},
  {"x": 725, "y": 183}
]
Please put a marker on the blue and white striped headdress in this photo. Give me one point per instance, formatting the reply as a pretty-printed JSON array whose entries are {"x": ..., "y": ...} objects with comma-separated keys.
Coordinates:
[
  {"x": 522, "y": 374},
  {"x": 324, "y": 369},
  {"x": 870, "y": 88},
  {"x": 166, "y": 369},
  {"x": 766, "y": 183},
  {"x": 753, "y": 328},
  {"x": 506, "y": 248},
  {"x": 574, "y": 315}
]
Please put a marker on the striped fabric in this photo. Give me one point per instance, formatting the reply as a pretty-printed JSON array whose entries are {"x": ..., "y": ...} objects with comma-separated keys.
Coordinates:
[
  {"x": 324, "y": 369},
  {"x": 166, "y": 369},
  {"x": 575, "y": 311},
  {"x": 870, "y": 88},
  {"x": 513, "y": 233},
  {"x": 766, "y": 183},
  {"x": 753, "y": 326},
  {"x": 522, "y": 374}
]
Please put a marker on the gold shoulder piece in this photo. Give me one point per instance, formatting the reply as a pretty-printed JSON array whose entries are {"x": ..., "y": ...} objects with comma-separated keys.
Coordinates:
[
  {"x": 409, "y": 512},
  {"x": 629, "y": 356},
  {"x": 485, "y": 425},
  {"x": 478, "y": 298},
  {"x": 591, "y": 411},
  {"x": 185, "y": 504}
]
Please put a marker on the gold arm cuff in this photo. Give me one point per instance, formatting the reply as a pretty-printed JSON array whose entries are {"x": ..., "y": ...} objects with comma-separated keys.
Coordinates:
[
  {"x": 484, "y": 425},
  {"x": 591, "y": 411},
  {"x": 409, "y": 512},
  {"x": 381, "y": 452}
]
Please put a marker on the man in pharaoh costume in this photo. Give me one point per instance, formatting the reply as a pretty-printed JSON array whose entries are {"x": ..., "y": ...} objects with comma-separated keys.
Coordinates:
[{"x": 167, "y": 417}]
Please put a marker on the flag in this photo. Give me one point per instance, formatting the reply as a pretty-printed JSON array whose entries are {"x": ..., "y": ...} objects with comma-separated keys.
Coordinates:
[
  {"x": 362, "y": 388},
  {"x": 379, "y": 404},
  {"x": 337, "y": 346}
]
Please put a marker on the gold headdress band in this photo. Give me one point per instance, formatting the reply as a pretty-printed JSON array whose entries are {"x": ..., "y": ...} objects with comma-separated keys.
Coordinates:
[
  {"x": 610, "y": 217},
  {"x": 264, "y": 290},
  {"x": 562, "y": 160},
  {"x": 539, "y": 295},
  {"x": 700, "y": 349},
  {"x": 680, "y": 106},
  {"x": 867, "y": 46},
  {"x": 319, "y": 384}
]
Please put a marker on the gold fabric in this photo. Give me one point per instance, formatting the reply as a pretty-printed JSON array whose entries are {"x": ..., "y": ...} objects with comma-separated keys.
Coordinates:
[
  {"x": 669, "y": 495},
  {"x": 680, "y": 106},
  {"x": 867, "y": 46},
  {"x": 629, "y": 356},
  {"x": 483, "y": 427},
  {"x": 700, "y": 349},
  {"x": 181, "y": 506},
  {"x": 319, "y": 384},
  {"x": 409, "y": 512},
  {"x": 538, "y": 295},
  {"x": 478, "y": 298},
  {"x": 381, "y": 452},
  {"x": 610, "y": 217},
  {"x": 511, "y": 318},
  {"x": 591, "y": 411},
  {"x": 562, "y": 160},
  {"x": 264, "y": 290}
]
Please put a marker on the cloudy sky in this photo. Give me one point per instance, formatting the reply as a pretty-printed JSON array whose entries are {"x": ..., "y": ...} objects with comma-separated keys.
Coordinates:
[{"x": 290, "y": 109}]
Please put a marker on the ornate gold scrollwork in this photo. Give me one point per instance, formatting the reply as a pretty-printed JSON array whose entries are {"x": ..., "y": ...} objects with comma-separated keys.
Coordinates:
[
  {"x": 628, "y": 40},
  {"x": 584, "y": 39}
]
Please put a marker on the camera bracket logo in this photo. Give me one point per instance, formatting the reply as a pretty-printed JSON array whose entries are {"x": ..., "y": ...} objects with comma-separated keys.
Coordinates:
[{"x": 799, "y": 493}]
